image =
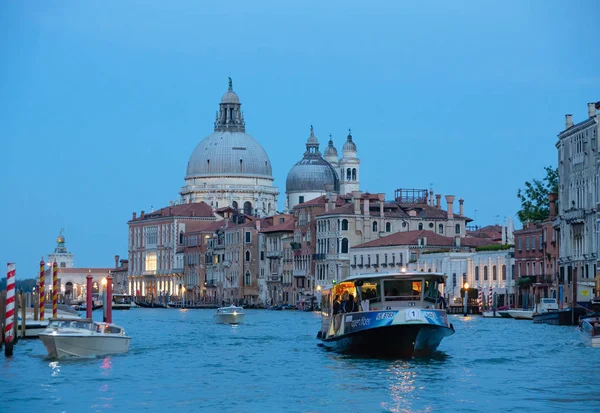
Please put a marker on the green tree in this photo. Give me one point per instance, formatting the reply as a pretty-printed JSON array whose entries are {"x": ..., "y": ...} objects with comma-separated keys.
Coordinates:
[{"x": 534, "y": 198}]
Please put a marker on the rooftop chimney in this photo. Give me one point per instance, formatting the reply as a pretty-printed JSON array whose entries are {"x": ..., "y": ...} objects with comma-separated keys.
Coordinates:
[
  {"x": 116, "y": 261},
  {"x": 437, "y": 200},
  {"x": 356, "y": 201},
  {"x": 142, "y": 215},
  {"x": 381, "y": 198},
  {"x": 457, "y": 241},
  {"x": 366, "y": 206},
  {"x": 134, "y": 216},
  {"x": 450, "y": 202},
  {"x": 591, "y": 109},
  {"x": 461, "y": 208},
  {"x": 568, "y": 121},
  {"x": 258, "y": 225},
  {"x": 552, "y": 200}
]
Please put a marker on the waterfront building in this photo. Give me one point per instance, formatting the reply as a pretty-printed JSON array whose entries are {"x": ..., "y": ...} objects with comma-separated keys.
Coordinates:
[
  {"x": 277, "y": 275},
  {"x": 229, "y": 167},
  {"x": 120, "y": 276},
  {"x": 577, "y": 220},
  {"x": 72, "y": 281},
  {"x": 156, "y": 245},
  {"x": 359, "y": 218},
  {"x": 536, "y": 258}
]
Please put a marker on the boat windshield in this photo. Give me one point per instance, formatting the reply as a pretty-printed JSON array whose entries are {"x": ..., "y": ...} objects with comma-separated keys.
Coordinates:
[
  {"x": 230, "y": 310},
  {"x": 431, "y": 291},
  {"x": 402, "y": 290},
  {"x": 71, "y": 324}
]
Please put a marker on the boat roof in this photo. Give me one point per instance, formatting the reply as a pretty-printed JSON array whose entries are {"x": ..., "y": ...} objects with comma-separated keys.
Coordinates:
[{"x": 391, "y": 275}]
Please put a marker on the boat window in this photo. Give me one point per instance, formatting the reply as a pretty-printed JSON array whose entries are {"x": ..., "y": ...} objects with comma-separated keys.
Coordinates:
[
  {"x": 431, "y": 291},
  {"x": 369, "y": 291},
  {"x": 113, "y": 330},
  {"x": 402, "y": 290}
]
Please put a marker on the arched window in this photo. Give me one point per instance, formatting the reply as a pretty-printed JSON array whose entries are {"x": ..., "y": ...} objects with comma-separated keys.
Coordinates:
[
  {"x": 374, "y": 226},
  {"x": 217, "y": 204},
  {"x": 476, "y": 273},
  {"x": 441, "y": 228},
  {"x": 348, "y": 174},
  {"x": 457, "y": 228},
  {"x": 241, "y": 166},
  {"x": 234, "y": 205},
  {"x": 344, "y": 225},
  {"x": 485, "y": 273},
  {"x": 247, "y": 208},
  {"x": 494, "y": 273},
  {"x": 269, "y": 206},
  {"x": 354, "y": 174},
  {"x": 420, "y": 226},
  {"x": 504, "y": 273},
  {"x": 248, "y": 280},
  {"x": 247, "y": 256},
  {"x": 181, "y": 237},
  {"x": 344, "y": 245}
]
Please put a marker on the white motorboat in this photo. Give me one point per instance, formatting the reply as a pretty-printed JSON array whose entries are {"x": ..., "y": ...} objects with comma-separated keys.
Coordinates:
[
  {"x": 590, "y": 330},
  {"x": 122, "y": 302},
  {"x": 229, "y": 315},
  {"x": 521, "y": 314},
  {"x": 395, "y": 314},
  {"x": 83, "y": 338}
]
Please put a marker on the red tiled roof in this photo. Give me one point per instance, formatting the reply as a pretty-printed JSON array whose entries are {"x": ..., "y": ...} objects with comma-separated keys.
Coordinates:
[
  {"x": 195, "y": 209},
  {"x": 413, "y": 237},
  {"x": 287, "y": 226}
]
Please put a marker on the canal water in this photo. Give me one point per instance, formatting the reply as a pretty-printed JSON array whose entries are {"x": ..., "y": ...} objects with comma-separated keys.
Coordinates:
[{"x": 180, "y": 361}]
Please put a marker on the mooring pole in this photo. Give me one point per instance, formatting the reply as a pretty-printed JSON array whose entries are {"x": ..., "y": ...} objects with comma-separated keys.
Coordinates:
[
  {"x": 88, "y": 296},
  {"x": 42, "y": 290},
  {"x": 10, "y": 309},
  {"x": 54, "y": 289}
]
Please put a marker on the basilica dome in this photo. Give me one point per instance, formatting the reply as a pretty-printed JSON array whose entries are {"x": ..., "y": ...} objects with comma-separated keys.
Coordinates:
[
  {"x": 229, "y": 151},
  {"x": 312, "y": 172}
]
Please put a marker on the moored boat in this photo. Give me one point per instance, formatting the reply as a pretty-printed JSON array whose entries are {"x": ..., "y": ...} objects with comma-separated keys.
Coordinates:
[
  {"x": 229, "y": 315},
  {"x": 590, "y": 330},
  {"x": 83, "y": 338},
  {"x": 122, "y": 302},
  {"x": 520, "y": 314},
  {"x": 396, "y": 314}
]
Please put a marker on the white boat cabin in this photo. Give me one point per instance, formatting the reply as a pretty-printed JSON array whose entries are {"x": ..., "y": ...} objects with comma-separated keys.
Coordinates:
[{"x": 230, "y": 310}]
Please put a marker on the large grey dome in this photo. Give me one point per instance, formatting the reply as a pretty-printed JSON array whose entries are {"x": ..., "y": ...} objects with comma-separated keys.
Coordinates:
[
  {"x": 312, "y": 172},
  {"x": 310, "y": 175},
  {"x": 229, "y": 153}
]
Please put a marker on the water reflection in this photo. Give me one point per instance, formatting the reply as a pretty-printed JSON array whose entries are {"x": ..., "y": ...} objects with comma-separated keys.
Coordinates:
[
  {"x": 55, "y": 368},
  {"x": 106, "y": 366}
]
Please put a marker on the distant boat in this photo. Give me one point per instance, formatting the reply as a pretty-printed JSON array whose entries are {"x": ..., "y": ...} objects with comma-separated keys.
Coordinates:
[
  {"x": 229, "y": 315},
  {"x": 590, "y": 330},
  {"x": 122, "y": 302},
  {"x": 83, "y": 338}
]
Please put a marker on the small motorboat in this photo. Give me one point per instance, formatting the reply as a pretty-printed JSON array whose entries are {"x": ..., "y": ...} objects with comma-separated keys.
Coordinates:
[
  {"x": 229, "y": 315},
  {"x": 122, "y": 302},
  {"x": 590, "y": 330},
  {"x": 83, "y": 338},
  {"x": 521, "y": 314}
]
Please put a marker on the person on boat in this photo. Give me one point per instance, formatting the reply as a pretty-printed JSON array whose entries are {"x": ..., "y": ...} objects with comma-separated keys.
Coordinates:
[
  {"x": 350, "y": 306},
  {"x": 336, "y": 304},
  {"x": 343, "y": 302}
]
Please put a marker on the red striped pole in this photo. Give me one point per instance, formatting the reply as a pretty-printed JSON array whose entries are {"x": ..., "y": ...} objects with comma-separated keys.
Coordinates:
[
  {"x": 54, "y": 289},
  {"x": 42, "y": 289},
  {"x": 88, "y": 296},
  {"x": 10, "y": 307}
]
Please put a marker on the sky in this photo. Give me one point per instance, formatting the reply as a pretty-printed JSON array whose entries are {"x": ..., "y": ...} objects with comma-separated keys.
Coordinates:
[{"x": 102, "y": 103}]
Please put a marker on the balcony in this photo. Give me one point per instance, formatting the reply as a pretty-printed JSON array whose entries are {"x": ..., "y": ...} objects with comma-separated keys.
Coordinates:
[
  {"x": 318, "y": 257},
  {"x": 296, "y": 245},
  {"x": 219, "y": 246},
  {"x": 274, "y": 254},
  {"x": 227, "y": 264},
  {"x": 300, "y": 273},
  {"x": 574, "y": 216},
  {"x": 274, "y": 278}
]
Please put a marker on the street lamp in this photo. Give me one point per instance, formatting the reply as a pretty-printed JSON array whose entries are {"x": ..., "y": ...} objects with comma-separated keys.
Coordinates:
[{"x": 466, "y": 298}]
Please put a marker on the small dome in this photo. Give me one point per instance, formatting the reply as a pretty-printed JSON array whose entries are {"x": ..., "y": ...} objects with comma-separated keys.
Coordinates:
[
  {"x": 311, "y": 174},
  {"x": 230, "y": 97},
  {"x": 60, "y": 239},
  {"x": 312, "y": 139},
  {"x": 330, "y": 151},
  {"x": 349, "y": 146}
]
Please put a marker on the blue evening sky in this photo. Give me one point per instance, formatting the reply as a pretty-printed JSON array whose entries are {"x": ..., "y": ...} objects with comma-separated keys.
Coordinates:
[{"x": 101, "y": 103}]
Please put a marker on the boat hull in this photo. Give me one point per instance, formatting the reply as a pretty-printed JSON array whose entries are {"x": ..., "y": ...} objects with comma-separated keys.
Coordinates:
[
  {"x": 521, "y": 314},
  {"x": 397, "y": 333},
  {"x": 83, "y": 346},
  {"x": 230, "y": 318},
  {"x": 559, "y": 317}
]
